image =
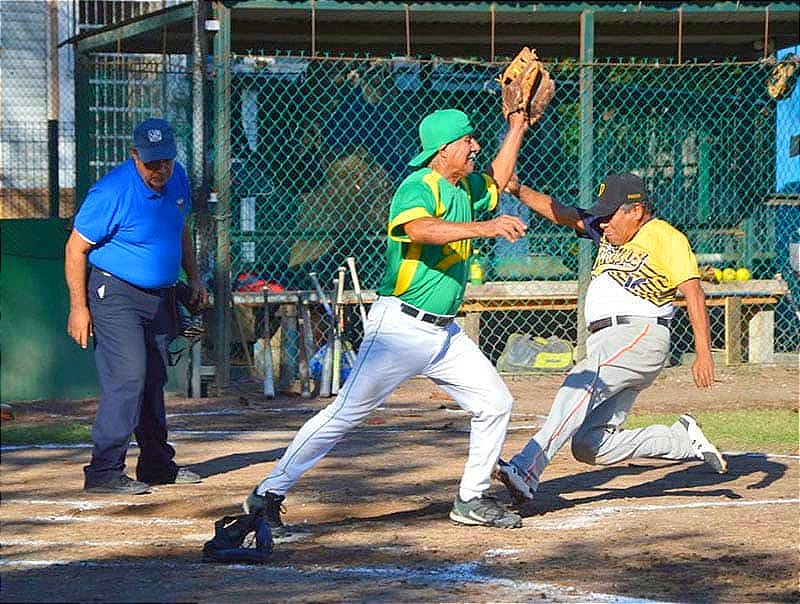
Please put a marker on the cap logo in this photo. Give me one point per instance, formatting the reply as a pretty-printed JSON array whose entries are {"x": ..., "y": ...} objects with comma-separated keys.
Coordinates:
[
  {"x": 634, "y": 196},
  {"x": 602, "y": 188},
  {"x": 154, "y": 136}
]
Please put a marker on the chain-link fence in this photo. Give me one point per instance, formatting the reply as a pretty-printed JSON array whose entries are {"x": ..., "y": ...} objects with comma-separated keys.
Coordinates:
[
  {"x": 37, "y": 114},
  {"x": 318, "y": 146},
  {"x": 23, "y": 112}
]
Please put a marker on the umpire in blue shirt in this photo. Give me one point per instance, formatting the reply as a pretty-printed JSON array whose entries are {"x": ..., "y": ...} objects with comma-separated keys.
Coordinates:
[{"x": 123, "y": 257}]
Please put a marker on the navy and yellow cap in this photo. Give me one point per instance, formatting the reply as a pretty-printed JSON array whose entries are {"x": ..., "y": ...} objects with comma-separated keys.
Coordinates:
[{"x": 617, "y": 190}]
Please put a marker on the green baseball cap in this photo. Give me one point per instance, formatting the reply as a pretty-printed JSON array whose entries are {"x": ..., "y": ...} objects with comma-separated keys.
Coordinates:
[{"x": 437, "y": 129}]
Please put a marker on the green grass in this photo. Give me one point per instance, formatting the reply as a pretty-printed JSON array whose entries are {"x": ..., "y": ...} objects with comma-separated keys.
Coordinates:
[
  {"x": 38, "y": 435},
  {"x": 765, "y": 430}
]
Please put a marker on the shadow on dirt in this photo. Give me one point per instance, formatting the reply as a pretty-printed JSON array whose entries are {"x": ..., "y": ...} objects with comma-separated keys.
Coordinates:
[
  {"x": 234, "y": 461},
  {"x": 687, "y": 480},
  {"x": 385, "y": 573}
]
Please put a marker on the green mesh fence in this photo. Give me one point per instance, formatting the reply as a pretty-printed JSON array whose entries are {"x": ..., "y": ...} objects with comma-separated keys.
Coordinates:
[
  {"x": 124, "y": 90},
  {"x": 318, "y": 146}
]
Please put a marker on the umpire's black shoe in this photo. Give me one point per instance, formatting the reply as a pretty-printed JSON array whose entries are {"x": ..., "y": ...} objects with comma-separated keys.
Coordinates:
[
  {"x": 182, "y": 475},
  {"x": 122, "y": 485},
  {"x": 268, "y": 505}
]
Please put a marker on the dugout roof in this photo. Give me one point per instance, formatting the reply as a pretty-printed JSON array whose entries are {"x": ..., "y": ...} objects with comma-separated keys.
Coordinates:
[{"x": 709, "y": 30}]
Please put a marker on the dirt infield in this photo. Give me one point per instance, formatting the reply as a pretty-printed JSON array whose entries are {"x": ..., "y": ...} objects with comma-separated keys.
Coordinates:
[{"x": 369, "y": 523}]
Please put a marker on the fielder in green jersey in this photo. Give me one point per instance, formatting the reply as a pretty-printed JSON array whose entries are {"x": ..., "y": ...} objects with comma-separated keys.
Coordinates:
[
  {"x": 432, "y": 277},
  {"x": 410, "y": 328}
]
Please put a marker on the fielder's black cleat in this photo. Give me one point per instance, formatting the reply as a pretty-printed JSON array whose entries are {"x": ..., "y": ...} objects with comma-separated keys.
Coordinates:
[{"x": 268, "y": 505}]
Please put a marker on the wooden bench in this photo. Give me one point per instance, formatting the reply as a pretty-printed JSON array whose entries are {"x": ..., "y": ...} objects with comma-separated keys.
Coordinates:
[
  {"x": 757, "y": 296},
  {"x": 751, "y": 301},
  {"x": 760, "y": 295}
]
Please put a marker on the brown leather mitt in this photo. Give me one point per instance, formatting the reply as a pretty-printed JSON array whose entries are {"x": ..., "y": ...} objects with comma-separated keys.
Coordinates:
[{"x": 526, "y": 86}]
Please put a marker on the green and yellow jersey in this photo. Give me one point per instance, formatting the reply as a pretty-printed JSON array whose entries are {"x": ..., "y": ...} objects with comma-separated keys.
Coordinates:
[{"x": 433, "y": 277}]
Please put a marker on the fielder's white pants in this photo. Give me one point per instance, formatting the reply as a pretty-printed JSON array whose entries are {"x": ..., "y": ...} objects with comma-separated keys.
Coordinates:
[
  {"x": 396, "y": 347},
  {"x": 595, "y": 399}
]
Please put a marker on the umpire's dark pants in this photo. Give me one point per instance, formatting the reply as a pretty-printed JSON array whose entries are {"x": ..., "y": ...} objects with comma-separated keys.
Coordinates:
[{"x": 132, "y": 329}]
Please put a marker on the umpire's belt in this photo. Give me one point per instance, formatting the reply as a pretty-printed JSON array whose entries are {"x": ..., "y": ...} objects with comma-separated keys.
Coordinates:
[
  {"x": 438, "y": 320},
  {"x": 158, "y": 291},
  {"x": 626, "y": 319}
]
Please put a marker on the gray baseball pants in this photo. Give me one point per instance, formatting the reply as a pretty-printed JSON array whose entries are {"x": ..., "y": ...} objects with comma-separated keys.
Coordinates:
[{"x": 595, "y": 399}]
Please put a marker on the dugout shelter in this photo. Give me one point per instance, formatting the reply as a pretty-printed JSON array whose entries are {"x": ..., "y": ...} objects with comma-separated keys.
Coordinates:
[{"x": 269, "y": 100}]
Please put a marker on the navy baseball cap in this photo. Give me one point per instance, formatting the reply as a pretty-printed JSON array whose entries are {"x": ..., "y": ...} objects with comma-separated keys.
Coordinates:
[
  {"x": 154, "y": 139},
  {"x": 617, "y": 190}
]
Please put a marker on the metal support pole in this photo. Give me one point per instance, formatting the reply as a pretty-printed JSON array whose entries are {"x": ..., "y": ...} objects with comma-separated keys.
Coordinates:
[
  {"x": 408, "y": 29},
  {"x": 53, "y": 108},
  {"x": 203, "y": 222},
  {"x": 222, "y": 164},
  {"x": 199, "y": 54},
  {"x": 313, "y": 28},
  {"x": 84, "y": 144},
  {"x": 52, "y": 167},
  {"x": 586, "y": 160},
  {"x": 493, "y": 14}
]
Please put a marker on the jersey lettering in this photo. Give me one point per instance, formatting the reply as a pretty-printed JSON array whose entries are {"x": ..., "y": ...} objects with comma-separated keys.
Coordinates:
[{"x": 631, "y": 269}]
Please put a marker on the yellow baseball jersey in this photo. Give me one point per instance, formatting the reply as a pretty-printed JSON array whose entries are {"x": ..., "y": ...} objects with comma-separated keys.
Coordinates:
[
  {"x": 640, "y": 277},
  {"x": 433, "y": 277}
]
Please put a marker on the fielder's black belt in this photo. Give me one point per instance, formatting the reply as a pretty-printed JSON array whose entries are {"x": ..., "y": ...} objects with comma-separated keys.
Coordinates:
[
  {"x": 438, "y": 320},
  {"x": 625, "y": 319}
]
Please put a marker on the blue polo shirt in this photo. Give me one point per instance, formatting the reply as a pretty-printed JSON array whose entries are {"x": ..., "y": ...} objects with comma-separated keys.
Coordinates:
[{"x": 135, "y": 231}]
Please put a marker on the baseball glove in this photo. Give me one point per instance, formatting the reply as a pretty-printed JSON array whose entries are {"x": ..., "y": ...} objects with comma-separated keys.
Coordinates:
[
  {"x": 188, "y": 319},
  {"x": 230, "y": 533},
  {"x": 782, "y": 79},
  {"x": 707, "y": 274},
  {"x": 526, "y": 86},
  {"x": 183, "y": 294}
]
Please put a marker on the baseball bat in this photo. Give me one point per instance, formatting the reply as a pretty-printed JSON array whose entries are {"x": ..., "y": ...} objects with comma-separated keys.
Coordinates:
[
  {"x": 320, "y": 294},
  {"x": 327, "y": 360},
  {"x": 269, "y": 385},
  {"x": 337, "y": 340},
  {"x": 347, "y": 348},
  {"x": 307, "y": 334},
  {"x": 351, "y": 264},
  {"x": 339, "y": 311},
  {"x": 302, "y": 351}
]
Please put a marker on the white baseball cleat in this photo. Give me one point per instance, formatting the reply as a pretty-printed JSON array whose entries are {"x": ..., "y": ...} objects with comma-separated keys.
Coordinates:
[
  {"x": 702, "y": 447},
  {"x": 520, "y": 489}
]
